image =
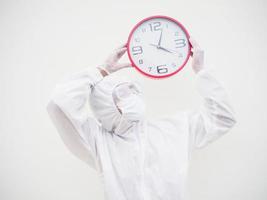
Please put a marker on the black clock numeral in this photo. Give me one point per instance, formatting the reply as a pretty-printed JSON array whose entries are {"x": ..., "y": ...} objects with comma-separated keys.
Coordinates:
[
  {"x": 155, "y": 26},
  {"x": 137, "y": 50},
  {"x": 161, "y": 69},
  {"x": 179, "y": 43},
  {"x": 141, "y": 61},
  {"x": 150, "y": 68}
]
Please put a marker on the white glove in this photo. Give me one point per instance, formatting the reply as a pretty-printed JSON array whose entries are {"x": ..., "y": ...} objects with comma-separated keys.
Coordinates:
[
  {"x": 111, "y": 63},
  {"x": 198, "y": 56}
]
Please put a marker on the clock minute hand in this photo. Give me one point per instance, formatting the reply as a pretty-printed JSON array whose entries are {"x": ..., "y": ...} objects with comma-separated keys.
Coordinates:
[{"x": 160, "y": 37}]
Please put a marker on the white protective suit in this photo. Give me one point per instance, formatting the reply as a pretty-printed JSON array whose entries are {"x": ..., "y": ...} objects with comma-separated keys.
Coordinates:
[{"x": 142, "y": 159}]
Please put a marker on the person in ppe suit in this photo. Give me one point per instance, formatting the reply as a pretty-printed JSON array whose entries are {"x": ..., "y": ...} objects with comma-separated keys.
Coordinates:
[{"x": 135, "y": 157}]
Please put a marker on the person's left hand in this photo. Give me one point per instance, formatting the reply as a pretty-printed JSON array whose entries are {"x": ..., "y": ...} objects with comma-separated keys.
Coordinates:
[{"x": 197, "y": 55}]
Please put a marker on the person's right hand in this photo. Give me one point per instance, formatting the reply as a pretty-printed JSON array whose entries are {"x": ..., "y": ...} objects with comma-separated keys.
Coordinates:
[{"x": 111, "y": 63}]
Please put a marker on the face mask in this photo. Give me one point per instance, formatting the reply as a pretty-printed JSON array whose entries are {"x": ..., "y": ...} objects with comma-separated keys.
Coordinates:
[
  {"x": 113, "y": 94},
  {"x": 128, "y": 98}
]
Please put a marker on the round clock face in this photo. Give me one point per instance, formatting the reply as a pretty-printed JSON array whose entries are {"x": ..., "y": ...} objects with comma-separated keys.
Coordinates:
[{"x": 158, "y": 46}]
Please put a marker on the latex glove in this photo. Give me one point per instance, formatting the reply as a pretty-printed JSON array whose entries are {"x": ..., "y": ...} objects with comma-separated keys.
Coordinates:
[
  {"x": 197, "y": 56},
  {"x": 111, "y": 63}
]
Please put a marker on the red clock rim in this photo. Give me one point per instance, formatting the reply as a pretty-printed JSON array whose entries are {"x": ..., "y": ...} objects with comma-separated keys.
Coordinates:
[{"x": 153, "y": 17}]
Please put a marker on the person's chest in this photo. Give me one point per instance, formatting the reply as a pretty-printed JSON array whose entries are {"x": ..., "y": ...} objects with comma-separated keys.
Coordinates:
[{"x": 154, "y": 155}]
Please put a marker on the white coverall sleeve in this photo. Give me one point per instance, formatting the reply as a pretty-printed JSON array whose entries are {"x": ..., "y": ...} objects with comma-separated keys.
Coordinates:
[
  {"x": 214, "y": 117},
  {"x": 68, "y": 110}
]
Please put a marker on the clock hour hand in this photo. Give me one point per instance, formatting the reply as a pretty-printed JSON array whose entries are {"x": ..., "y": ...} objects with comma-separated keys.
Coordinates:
[
  {"x": 162, "y": 48},
  {"x": 154, "y": 45},
  {"x": 168, "y": 50}
]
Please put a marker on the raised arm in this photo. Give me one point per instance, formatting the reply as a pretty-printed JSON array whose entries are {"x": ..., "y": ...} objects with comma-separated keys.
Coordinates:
[
  {"x": 215, "y": 116},
  {"x": 68, "y": 111},
  {"x": 68, "y": 108}
]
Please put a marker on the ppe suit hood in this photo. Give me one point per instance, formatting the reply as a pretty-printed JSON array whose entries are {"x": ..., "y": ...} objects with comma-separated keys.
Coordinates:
[{"x": 104, "y": 106}]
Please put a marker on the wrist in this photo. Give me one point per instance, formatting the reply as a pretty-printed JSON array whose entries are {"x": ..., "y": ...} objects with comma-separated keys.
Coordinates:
[{"x": 103, "y": 71}]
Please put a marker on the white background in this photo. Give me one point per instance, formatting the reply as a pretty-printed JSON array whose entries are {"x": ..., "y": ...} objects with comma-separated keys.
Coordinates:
[{"x": 41, "y": 41}]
